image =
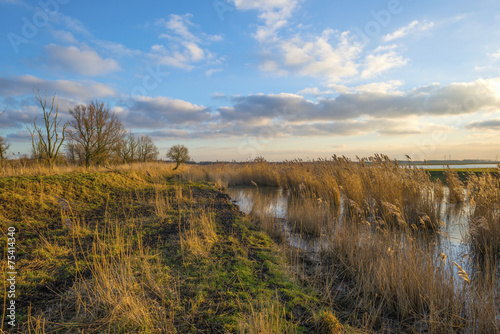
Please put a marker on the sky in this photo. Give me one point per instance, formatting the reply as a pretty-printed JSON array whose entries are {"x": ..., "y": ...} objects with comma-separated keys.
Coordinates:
[{"x": 282, "y": 79}]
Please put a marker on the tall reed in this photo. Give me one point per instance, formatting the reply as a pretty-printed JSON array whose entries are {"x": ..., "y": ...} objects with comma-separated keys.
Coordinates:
[{"x": 484, "y": 216}]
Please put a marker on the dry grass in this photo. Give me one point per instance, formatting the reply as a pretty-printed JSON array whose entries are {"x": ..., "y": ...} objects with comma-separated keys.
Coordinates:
[
  {"x": 129, "y": 288},
  {"x": 311, "y": 216},
  {"x": 144, "y": 253},
  {"x": 199, "y": 236},
  {"x": 269, "y": 318},
  {"x": 224, "y": 175},
  {"x": 156, "y": 170},
  {"x": 455, "y": 186}
]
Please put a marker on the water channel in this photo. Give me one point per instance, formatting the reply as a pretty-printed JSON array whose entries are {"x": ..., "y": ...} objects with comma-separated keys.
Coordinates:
[{"x": 275, "y": 201}]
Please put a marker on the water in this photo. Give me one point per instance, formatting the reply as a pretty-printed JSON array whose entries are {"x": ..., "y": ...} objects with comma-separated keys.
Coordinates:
[
  {"x": 274, "y": 202},
  {"x": 274, "y": 199}
]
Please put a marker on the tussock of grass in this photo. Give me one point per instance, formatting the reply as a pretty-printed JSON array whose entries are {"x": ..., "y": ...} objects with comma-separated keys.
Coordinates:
[
  {"x": 200, "y": 235},
  {"x": 267, "y": 318},
  {"x": 327, "y": 323}
]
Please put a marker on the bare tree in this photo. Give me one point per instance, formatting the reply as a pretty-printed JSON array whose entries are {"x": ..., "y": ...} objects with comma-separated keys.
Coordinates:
[
  {"x": 179, "y": 154},
  {"x": 4, "y": 145},
  {"x": 37, "y": 152},
  {"x": 96, "y": 130},
  {"x": 74, "y": 153},
  {"x": 128, "y": 148},
  {"x": 47, "y": 140},
  {"x": 147, "y": 150}
]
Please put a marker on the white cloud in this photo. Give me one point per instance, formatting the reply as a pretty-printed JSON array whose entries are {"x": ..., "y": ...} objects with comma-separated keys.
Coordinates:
[
  {"x": 212, "y": 71},
  {"x": 272, "y": 66},
  {"x": 332, "y": 56},
  {"x": 160, "y": 112},
  {"x": 64, "y": 36},
  {"x": 180, "y": 25},
  {"x": 80, "y": 90},
  {"x": 376, "y": 64},
  {"x": 380, "y": 87},
  {"x": 385, "y": 48},
  {"x": 495, "y": 55},
  {"x": 413, "y": 27},
  {"x": 70, "y": 23},
  {"x": 195, "y": 51},
  {"x": 264, "y": 5},
  {"x": 185, "y": 48},
  {"x": 434, "y": 100},
  {"x": 341, "y": 89},
  {"x": 274, "y": 13},
  {"x": 118, "y": 50},
  {"x": 22, "y": 106},
  {"x": 314, "y": 91},
  {"x": 219, "y": 95},
  {"x": 84, "y": 61}
]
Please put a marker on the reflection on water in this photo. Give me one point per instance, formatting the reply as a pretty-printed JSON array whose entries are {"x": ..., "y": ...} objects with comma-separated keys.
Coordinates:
[
  {"x": 455, "y": 219},
  {"x": 273, "y": 202}
]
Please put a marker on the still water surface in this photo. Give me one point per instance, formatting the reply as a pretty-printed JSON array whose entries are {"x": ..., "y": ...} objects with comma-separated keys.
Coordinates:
[{"x": 275, "y": 204}]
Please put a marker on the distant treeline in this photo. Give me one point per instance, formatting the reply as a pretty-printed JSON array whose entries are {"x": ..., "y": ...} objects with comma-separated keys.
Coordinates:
[{"x": 93, "y": 136}]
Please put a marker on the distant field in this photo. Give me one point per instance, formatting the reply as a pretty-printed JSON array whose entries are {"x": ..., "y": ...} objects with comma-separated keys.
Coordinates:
[{"x": 438, "y": 173}]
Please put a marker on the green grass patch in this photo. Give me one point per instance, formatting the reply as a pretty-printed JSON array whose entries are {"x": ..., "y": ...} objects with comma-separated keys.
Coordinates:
[{"x": 115, "y": 259}]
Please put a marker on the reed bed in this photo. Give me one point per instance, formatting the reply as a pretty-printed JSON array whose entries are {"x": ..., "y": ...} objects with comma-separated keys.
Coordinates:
[
  {"x": 386, "y": 259},
  {"x": 404, "y": 277},
  {"x": 311, "y": 217},
  {"x": 484, "y": 217},
  {"x": 377, "y": 188},
  {"x": 455, "y": 186},
  {"x": 226, "y": 175}
]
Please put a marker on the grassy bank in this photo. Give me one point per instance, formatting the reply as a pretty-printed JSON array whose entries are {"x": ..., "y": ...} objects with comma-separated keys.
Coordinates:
[{"x": 137, "y": 251}]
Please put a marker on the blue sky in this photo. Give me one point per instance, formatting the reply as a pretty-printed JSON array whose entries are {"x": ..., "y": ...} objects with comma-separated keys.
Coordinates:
[{"x": 283, "y": 79}]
